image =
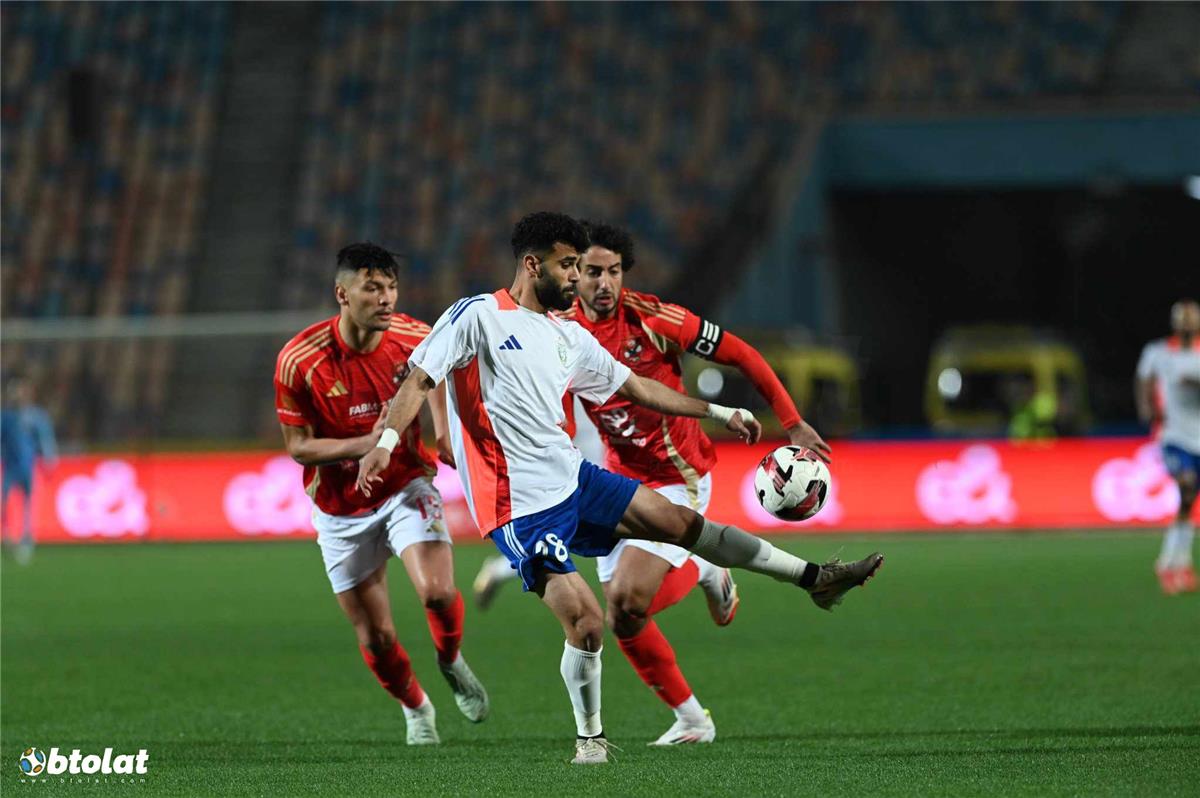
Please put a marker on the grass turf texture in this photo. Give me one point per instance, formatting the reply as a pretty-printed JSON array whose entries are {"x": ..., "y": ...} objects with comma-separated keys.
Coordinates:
[{"x": 1008, "y": 665}]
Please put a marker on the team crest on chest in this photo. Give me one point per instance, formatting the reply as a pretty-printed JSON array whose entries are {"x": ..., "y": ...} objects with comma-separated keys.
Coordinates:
[
  {"x": 632, "y": 351},
  {"x": 562, "y": 351}
]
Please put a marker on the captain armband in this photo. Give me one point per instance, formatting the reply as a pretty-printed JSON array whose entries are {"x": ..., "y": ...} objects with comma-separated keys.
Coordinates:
[{"x": 708, "y": 340}]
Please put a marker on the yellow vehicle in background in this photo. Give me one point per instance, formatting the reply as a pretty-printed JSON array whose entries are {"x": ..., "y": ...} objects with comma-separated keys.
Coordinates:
[
  {"x": 1006, "y": 380},
  {"x": 823, "y": 381}
]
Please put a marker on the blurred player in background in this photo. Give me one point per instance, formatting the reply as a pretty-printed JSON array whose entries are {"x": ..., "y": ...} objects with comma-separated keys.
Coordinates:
[
  {"x": 27, "y": 439},
  {"x": 1167, "y": 393},
  {"x": 508, "y": 361},
  {"x": 669, "y": 454},
  {"x": 332, "y": 384}
]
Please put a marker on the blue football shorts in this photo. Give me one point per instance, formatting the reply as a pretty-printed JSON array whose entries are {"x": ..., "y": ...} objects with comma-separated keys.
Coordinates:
[
  {"x": 1180, "y": 461},
  {"x": 582, "y": 524}
]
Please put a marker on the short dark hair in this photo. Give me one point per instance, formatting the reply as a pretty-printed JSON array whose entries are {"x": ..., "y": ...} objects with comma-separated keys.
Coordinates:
[
  {"x": 365, "y": 255},
  {"x": 539, "y": 232},
  {"x": 614, "y": 238}
]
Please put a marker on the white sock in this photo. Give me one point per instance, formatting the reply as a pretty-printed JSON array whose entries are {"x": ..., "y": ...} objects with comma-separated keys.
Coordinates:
[
  {"x": 1183, "y": 544},
  {"x": 730, "y": 547},
  {"x": 704, "y": 568},
  {"x": 420, "y": 709},
  {"x": 581, "y": 671},
  {"x": 690, "y": 710},
  {"x": 1170, "y": 545}
]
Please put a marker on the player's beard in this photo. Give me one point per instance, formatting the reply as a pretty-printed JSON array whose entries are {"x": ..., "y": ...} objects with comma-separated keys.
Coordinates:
[{"x": 551, "y": 295}]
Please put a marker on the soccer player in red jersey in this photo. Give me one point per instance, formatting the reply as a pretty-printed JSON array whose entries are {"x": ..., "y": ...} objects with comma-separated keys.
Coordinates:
[
  {"x": 670, "y": 454},
  {"x": 332, "y": 385}
]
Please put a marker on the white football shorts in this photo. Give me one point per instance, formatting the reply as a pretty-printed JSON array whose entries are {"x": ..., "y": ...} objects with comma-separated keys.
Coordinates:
[
  {"x": 696, "y": 498},
  {"x": 353, "y": 546}
]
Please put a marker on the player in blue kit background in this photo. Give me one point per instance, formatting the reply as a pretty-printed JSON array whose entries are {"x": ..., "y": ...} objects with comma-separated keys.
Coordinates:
[{"x": 27, "y": 441}]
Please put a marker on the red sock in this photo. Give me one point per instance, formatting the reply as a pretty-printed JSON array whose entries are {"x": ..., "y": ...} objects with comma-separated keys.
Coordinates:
[
  {"x": 394, "y": 671},
  {"x": 675, "y": 585},
  {"x": 654, "y": 660},
  {"x": 446, "y": 627}
]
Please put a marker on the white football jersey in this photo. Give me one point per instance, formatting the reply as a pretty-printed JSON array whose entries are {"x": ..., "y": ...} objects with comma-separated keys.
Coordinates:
[
  {"x": 1176, "y": 370},
  {"x": 506, "y": 370}
]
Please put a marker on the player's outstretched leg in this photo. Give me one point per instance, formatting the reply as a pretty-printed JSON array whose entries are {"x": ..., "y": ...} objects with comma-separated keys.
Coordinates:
[
  {"x": 575, "y": 606},
  {"x": 430, "y": 566},
  {"x": 633, "y": 590},
  {"x": 718, "y": 585},
  {"x": 492, "y": 576},
  {"x": 652, "y": 517},
  {"x": 366, "y": 605}
]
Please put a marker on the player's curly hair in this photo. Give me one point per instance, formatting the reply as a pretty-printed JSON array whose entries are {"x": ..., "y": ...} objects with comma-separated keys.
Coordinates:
[
  {"x": 365, "y": 255},
  {"x": 612, "y": 238},
  {"x": 539, "y": 232}
]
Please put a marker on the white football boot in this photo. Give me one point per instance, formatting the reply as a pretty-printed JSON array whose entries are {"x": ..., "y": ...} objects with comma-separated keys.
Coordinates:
[
  {"x": 592, "y": 751},
  {"x": 686, "y": 730},
  {"x": 494, "y": 572},
  {"x": 719, "y": 590},
  {"x": 468, "y": 691},
  {"x": 422, "y": 724}
]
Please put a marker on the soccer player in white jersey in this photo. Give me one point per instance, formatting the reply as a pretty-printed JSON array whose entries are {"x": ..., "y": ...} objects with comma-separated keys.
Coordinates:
[
  {"x": 507, "y": 361},
  {"x": 670, "y": 455},
  {"x": 1167, "y": 392}
]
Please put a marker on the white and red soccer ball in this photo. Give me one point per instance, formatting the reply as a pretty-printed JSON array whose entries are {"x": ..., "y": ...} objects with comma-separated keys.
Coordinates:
[{"x": 792, "y": 483}]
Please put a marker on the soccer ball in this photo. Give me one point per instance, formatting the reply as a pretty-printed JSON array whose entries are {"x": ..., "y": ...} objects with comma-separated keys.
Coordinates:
[
  {"x": 32, "y": 762},
  {"x": 791, "y": 483}
]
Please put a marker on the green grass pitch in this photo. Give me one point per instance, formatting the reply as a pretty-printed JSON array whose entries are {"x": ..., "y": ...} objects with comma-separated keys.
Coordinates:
[{"x": 999, "y": 665}]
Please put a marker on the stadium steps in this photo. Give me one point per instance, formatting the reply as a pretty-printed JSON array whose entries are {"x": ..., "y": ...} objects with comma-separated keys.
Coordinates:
[{"x": 249, "y": 218}]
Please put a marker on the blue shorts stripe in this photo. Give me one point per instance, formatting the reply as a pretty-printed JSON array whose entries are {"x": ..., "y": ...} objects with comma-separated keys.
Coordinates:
[{"x": 582, "y": 524}]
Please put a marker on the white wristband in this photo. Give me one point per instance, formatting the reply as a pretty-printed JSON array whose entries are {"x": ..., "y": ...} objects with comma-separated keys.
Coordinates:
[
  {"x": 388, "y": 440},
  {"x": 725, "y": 414}
]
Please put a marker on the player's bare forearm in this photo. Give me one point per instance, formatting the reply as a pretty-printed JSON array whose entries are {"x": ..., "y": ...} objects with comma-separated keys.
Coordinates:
[
  {"x": 441, "y": 423},
  {"x": 654, "y": 395},
  {"x": 407, "y": 402},
  {"x": 404, "y": 408},
  {"x": 311, "y": 451},
  {"x": 437, "y": 409}
]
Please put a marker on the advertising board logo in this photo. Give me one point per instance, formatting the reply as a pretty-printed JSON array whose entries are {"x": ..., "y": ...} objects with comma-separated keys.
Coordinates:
[
  {"x": 1137, "y": 488},
  {"x": 973, "y": 489},
  {"x": 108, "y": 503},
  {"x": 271, "y": 501}
]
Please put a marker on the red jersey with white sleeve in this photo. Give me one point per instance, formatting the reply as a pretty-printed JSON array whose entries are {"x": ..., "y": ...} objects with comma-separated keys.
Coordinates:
[
  {"x": 650, "y": 336},
  {"x": 322, "y": 383}
]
